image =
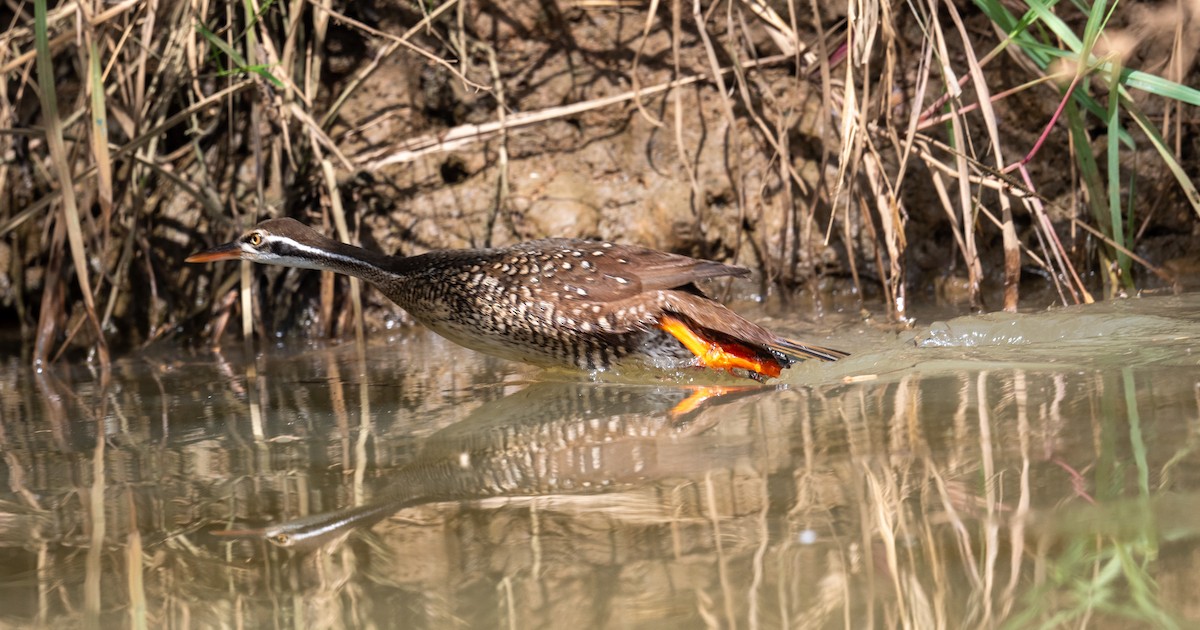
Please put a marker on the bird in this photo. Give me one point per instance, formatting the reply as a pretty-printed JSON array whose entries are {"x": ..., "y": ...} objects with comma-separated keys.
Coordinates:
[{"x": 558, "y": 302}]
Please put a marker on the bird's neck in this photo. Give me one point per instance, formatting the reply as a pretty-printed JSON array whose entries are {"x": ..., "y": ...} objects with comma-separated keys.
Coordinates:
[{"x": 373, "y": 267}]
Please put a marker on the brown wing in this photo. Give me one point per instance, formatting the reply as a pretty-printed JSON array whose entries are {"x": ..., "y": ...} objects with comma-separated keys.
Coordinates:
[
  {"x": 604, "y": 288},
  {"x": 604, "y": 273}
]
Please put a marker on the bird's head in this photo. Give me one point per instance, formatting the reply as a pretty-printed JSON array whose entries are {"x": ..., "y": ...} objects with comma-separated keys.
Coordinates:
[{"x": 285, "y": 242}]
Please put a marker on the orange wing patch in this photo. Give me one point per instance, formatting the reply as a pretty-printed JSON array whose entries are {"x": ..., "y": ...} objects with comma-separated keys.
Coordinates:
[{"x": 715, "y": 355}]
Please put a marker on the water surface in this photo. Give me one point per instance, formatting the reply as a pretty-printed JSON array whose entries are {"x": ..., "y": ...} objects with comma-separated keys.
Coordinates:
[{"x": 1003, "y": 471}]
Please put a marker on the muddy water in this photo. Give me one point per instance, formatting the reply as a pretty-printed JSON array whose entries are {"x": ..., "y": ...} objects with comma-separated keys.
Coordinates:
[{"x": 985, "y": 471}]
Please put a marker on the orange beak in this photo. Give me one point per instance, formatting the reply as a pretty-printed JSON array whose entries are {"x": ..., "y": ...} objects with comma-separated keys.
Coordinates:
[{"x": 228, "y": 251}]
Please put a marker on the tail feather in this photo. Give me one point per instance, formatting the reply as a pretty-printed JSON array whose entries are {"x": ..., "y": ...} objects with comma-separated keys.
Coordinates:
[{"x": 799, "y": 351}]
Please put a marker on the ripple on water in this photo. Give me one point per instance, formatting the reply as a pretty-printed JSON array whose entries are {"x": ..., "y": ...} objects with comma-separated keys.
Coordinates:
[{"x": 987, "y": 470}]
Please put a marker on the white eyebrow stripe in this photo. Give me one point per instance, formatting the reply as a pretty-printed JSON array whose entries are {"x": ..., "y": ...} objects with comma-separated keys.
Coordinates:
[{"x": 317, "y": 254}]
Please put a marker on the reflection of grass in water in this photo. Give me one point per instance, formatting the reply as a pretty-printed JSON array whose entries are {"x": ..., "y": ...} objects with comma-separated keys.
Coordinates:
[
  {"x": 1106, "y": 574},
  {"x": 1105, "y": 568},
  {"x": 901, "y": 515}
]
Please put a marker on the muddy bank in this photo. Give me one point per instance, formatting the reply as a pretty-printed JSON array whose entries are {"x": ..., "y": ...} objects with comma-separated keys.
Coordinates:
[{"x": 722, "y": 134}]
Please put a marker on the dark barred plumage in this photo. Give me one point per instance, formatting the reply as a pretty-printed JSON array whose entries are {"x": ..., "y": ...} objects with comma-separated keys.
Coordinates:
[{"x": 554, "y": 302}]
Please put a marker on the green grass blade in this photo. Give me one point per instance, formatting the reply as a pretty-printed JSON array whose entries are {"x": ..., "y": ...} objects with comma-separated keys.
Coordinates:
[
  {"x": 1056, "y": 25},
  {"x": 1017, "y": 29},
  {"x": 1159, "y": 86},
  {"x": 1044, "y": 54},
  {"x": 1088, "y": 169},
  {"x": 1185, "y": 181},
  {"x": 1113, "y": 153},
  {"x": 239, "y": 62}
]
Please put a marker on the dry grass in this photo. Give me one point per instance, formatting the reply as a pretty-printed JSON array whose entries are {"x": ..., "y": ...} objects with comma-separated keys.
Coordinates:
[{"x": 134, "y": 129}]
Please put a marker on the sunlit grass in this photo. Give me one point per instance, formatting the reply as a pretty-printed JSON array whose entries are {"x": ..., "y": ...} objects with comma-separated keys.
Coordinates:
[
  {"x": 1037, "y": 34},
  {"x": 175, "y": 116}
]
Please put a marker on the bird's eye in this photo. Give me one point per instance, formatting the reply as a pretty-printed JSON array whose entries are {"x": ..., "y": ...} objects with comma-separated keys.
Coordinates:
[
  {"x": 255, "y": 239},
  {"x": 280, "y": 539}
]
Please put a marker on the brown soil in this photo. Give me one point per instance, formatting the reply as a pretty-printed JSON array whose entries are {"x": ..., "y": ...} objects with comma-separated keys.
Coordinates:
[{"x": 736, "y": 169}]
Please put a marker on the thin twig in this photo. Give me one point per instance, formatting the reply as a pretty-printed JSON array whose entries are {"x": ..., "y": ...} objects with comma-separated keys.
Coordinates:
[{"x": 464, "y": 135}]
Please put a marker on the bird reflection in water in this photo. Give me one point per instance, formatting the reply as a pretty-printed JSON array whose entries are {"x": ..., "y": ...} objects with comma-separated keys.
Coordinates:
[{"x": 547, "y": 439}]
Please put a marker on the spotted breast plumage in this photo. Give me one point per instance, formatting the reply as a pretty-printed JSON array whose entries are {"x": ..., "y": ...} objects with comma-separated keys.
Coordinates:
[{"x": 554, "y": 302}]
